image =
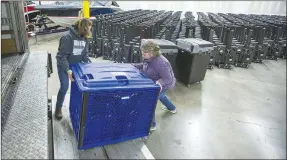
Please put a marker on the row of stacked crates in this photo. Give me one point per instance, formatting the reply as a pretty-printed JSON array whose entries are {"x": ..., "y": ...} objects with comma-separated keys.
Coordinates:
[
  {"x": 240, "y": 41},
  {"x": 117, "y": 36},
  {"x": 231, "y": 36},
  {"x": 274, "y": 35},
  {"x": 115, "y": 31}
]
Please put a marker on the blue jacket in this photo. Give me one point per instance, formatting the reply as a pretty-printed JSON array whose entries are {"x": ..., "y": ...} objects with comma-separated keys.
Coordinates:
[{"x": 72, "y": 49}]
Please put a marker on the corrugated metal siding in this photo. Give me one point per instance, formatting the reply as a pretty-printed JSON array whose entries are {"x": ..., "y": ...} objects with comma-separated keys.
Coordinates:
[{"x": 248, "y": 7}]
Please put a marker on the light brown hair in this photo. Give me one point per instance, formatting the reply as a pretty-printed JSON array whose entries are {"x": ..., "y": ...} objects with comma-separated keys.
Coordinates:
[
  {"x": 82, "y": 26},
  {"x": 150, "y": 47}
]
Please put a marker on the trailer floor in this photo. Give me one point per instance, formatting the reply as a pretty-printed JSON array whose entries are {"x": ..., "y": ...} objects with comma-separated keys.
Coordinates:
[
  {"x": 25, "y": 134},
  {"x": 239, "y": 113}
]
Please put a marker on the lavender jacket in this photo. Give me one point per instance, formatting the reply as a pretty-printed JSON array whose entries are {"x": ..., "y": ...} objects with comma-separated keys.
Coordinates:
[{"x": 158, "y": 69}]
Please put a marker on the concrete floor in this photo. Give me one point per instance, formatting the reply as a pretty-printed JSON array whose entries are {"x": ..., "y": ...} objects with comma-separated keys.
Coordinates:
[{"x": 239, "y": 113}]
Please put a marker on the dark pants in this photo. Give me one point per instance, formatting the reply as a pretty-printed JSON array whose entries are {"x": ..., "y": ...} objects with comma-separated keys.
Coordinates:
[
  {"x": 166, "y": 102},
  {"x": 64, "y": 85}
]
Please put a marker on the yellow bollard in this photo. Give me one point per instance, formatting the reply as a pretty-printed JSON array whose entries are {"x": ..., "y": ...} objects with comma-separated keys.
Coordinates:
[
  {"x": 85, "y": 12},
  {"x": 86, "y": 9}
]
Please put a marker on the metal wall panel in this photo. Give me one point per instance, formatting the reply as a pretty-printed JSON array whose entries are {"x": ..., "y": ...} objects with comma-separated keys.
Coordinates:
[
  {"x": 13, "y": 26},
  {"x": 4, "y": 12}
]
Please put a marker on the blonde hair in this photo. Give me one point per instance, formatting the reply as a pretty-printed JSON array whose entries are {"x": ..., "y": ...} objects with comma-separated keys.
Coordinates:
[
  {"x": 82, "y": 26},
  {"x": 150, "y": 47}
]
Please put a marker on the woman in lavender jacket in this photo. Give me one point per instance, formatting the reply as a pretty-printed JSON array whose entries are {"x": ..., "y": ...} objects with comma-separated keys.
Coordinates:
[{"x": 157, "y": 68}]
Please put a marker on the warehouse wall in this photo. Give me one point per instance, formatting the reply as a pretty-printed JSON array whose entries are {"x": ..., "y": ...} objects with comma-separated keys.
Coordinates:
[{"x": 249, "y": 7}]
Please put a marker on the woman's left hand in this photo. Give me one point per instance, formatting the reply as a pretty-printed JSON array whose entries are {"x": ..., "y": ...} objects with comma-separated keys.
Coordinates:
[{"x": 157, "y": 82}]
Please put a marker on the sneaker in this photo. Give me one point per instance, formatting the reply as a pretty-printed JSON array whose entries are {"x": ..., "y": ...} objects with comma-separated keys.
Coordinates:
[
  {"x": 165, "y": 109},
  {"x": 152, "y": 128}
]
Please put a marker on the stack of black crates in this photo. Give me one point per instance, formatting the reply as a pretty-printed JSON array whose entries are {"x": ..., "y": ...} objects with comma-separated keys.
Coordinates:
[{"x": 117, "y": 36}]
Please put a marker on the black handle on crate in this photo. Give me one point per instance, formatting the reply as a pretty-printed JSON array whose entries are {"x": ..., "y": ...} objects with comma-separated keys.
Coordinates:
[
  {"x": 87, "y": 76},
  {"x": 122, "y": 79}
]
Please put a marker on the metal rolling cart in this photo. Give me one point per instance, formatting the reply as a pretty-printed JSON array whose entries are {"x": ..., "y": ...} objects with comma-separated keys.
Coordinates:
[{"x": 110, "y": 103}]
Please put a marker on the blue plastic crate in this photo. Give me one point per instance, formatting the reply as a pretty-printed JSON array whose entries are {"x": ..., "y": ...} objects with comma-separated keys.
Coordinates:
[{"x": 110, "y": 103}]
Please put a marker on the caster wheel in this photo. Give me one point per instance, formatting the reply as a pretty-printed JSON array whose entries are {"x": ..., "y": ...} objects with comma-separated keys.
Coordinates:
[{"x": 145, "y": 138}]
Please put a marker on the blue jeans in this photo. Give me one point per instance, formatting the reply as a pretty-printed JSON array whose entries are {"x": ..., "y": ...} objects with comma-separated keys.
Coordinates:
[
  {"x": 64, "y": 85},
  {"x": 166, "y": 102}
]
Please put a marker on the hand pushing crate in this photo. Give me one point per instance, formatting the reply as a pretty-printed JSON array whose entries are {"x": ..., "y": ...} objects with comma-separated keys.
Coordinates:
[{"x": 110, "y": 103}]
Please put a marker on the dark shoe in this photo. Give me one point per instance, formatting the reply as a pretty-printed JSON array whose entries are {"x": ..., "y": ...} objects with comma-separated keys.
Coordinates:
[{"x": 58, "y": 113}]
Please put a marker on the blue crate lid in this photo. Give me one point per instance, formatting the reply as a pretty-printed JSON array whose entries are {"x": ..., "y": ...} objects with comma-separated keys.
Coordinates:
[{"x": 102, "y": 76}]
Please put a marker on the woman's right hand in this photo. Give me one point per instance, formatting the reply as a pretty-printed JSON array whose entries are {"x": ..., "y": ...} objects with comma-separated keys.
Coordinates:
[
  {"x": 157, "y": 82},
  {"x": 70, "y": 75}
]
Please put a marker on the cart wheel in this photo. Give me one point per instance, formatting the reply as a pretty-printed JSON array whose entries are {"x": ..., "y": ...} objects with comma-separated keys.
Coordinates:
[
  {"x": 247, "y": 66},
  {"x": 236, "y": 65},
  {"x": 211, "y": 68}
]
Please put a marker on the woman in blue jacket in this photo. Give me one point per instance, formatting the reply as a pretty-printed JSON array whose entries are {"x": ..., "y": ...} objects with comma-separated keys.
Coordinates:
[{"x": 73, "y": 48}]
